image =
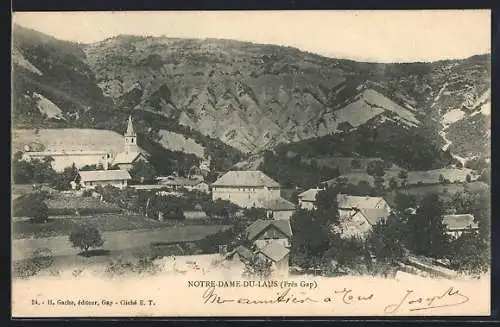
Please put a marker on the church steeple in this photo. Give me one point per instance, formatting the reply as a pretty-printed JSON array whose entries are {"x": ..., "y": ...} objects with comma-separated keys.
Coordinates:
[
  {"x": 130, "y": 137},
  {"x": 130, "y": 128}
]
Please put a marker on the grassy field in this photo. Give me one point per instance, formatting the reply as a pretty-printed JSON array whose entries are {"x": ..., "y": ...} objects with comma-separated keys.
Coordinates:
[
  {"x": 344, "y": 163},
  {"x": 103, "y": 222},
  {"x": 445, "y": 192},
  {"x": 67, "y": 205},
  {"x": 414, "y": 177},
  {"x": 75, "y": 139},
  {"x": 117, "y": 244}
]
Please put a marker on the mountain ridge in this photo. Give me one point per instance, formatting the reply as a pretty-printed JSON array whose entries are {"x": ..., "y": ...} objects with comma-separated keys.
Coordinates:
[{"x": 252, "y": 97}]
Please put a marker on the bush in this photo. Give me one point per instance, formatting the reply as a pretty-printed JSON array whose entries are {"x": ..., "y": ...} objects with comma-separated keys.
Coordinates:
[
  {"x": 139, "y": 264},
  {"x": 385, "y": 240},
  {"x": 86, "y": 237},
  {"x": 41, "y": 259},
  {"x": 257, "y": 268},
  {"x": 470, "y": 253},
  {"x": 34, "y": 207}
]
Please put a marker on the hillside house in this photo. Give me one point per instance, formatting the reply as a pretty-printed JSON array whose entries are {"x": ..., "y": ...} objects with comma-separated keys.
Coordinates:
[
  {"x": 131, "y": 154},
  {"x": 456, "y": 225},
  {"x": 246, "y": 188},
  {"x": 270, "y": 241},
  {"x": 91, "y": 179},
  {"x": 262, "y": 232},
  {"x": 176, "y": 183},
  {"x": 239, "y": 256},
  {"x": 278, "y": 254},
  {"x": 307, "y": 199},
  {"x": 358, "y": 214},
  {"x": 278, "y": 208},
  {"x": 194, "y": 215}
]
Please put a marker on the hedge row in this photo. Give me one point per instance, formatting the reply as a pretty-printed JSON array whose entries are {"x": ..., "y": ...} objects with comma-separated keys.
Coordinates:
[{"x": 81, "y": 211}]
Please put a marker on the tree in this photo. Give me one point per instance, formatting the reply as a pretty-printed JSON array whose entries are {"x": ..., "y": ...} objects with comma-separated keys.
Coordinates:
[
  {"x": 92, "y": 167},
  {"x": 310, "y": 238},
  {"x": 379, "y": 184},
  {"x": 405, "y": 201},
  {"x": 63, "y": 180},
  {"x": 35, "y": 207},
  {"x": 386, "y": 240},
  {"x": 257, "y": 267},
  {"x": 86, "y": 237},
  {"x": 428, "y": 235},
  {"x": 470, "y": 253},
  {"x": 442, "y": 180},
  {"x": 375, "y": 168},
  {"x": 387, "y": 164},
  {"x": 485, "y": 176},
  {"x": 393, "y": 183},
  {"x": 364, "y": 188},
  {"x": 210, "y": 244},
  {"x": 463, "y": 202},
  {"x": 255, "y": 213},
  {"x": 403, "y": 174},
  {"x": 355, "y": 164},
  {"x": 142, "y": 172}
]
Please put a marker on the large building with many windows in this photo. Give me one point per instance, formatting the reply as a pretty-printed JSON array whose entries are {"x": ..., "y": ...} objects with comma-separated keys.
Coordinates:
[{"x": 246, "y": 188}]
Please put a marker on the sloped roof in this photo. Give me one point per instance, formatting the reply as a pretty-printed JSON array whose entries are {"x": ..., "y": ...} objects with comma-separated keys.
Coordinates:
[
  {"x": 360, "y": 202},
  {"x": 274, "y": 251},
  {"x": 373, "y": 216},
  {"x": 242, "y": 251},
  {"x": 459, "y": 222},
  {"x": 245, "y": 178},
  {"x": 104, "y": 175},
  {"x": 278, "y": 204},
  {"x": 130, "y": 128},
  {"x": 181, "y": 181},
  {"x": 194, "y": 214},
  {"x": 126, "y": 157},
  {"x": 309, "y": 195},
  {"x": 260, "y": 225}
]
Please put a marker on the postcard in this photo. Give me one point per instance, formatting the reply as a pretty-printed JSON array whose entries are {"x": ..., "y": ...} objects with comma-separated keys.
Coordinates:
[{"x": 251, "y": 163}]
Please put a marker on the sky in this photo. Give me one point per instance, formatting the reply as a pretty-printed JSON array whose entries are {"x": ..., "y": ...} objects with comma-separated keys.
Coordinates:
[{"x": 375, "y": 36}]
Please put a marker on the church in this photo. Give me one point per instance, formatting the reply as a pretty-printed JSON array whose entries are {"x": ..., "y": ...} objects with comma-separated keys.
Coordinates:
[
  {"x": 131, "y": 153},
  {"x": 86, "y": 147}
]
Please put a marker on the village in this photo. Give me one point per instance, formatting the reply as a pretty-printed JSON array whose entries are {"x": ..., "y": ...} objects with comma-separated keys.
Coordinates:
[{"x": 116, "y": 209}]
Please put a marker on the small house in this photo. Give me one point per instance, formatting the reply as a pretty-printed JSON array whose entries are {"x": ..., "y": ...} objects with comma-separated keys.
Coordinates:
[
  {"x": 277, "y": 253},
  {"x": 307, "y": 199},
  {"x": 176, "y": 183},
  {"x": 263, "y": 232},
  {"x": 358, "y": 214},
  {"x": 278, "y": 208},
  {"x": 194, "y": 215},
  {"x": 91, "y": 179},
  {"x": 456, "y": 225}
]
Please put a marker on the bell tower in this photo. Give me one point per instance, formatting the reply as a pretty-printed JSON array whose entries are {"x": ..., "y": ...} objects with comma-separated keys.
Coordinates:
[{"x": 130, "y": 137}]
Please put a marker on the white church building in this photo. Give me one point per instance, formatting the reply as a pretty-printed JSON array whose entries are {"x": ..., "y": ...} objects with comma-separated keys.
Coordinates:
[{"x": 88, "y": 153}]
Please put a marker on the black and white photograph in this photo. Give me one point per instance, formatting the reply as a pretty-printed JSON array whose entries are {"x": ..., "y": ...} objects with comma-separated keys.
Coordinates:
[{"x": 251, "y": 163}]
